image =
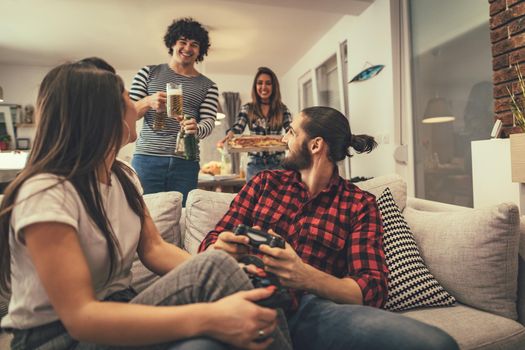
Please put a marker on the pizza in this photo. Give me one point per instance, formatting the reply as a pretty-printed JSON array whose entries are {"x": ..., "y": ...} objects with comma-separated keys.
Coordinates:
[{"x": 257, "y": 141}]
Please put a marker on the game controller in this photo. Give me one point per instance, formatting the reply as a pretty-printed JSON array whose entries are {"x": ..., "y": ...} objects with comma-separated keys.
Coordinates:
[
  {"x": 258, "y": 237},
  {"x": 280, "y": 298}
]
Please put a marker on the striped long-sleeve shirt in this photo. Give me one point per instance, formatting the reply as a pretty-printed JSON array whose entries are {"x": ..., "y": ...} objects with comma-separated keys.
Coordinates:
[{"x": 200, "y": 97}]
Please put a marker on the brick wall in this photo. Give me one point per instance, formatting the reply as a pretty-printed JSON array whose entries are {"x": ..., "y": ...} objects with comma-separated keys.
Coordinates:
[{"x": 507, "y": 34}]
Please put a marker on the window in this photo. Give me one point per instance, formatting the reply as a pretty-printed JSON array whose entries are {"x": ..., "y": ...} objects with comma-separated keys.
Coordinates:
[
  {"x": 327, "y": 83},
  {"x": 451, "y": 75},
  {"x": 306, "y": 91}
]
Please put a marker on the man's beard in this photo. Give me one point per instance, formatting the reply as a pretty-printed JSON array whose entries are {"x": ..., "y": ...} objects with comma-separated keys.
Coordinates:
[{"x": 298, "y": 161}]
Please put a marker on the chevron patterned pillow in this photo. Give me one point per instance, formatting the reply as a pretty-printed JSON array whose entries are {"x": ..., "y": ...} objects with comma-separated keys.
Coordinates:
[{"x": 410, "y": 283}]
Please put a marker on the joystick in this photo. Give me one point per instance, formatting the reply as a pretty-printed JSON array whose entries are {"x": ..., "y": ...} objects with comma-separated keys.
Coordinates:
[
  {"x": 280, "y": 298},
  {"x": 258, "y": 237}
]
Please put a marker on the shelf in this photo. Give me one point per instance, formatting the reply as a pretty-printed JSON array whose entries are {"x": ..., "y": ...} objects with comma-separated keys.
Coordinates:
[{"x": 25, "y": 125}]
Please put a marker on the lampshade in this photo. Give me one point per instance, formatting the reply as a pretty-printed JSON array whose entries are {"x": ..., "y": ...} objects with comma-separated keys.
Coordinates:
[
  {"x": 220, "y": 114},
  {"x": 437, "y": 111},
  {"x": 1, "y": 94}
]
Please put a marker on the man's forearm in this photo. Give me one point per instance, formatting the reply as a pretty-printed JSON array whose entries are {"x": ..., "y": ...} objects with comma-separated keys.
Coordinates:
[{"x": 340, "y": 290}]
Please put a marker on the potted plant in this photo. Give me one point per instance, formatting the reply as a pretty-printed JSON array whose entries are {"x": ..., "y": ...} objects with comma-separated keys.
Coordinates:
[
  {"x": 517, "y": 141},
  {"x": 5, "y": 140}
]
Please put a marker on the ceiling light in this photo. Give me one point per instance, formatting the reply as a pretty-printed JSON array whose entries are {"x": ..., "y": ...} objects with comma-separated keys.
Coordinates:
[{"x": 437, "y": 111}]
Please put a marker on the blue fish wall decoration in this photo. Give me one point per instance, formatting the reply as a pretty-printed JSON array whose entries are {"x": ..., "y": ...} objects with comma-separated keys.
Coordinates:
[{"x": 367, "y": 73}]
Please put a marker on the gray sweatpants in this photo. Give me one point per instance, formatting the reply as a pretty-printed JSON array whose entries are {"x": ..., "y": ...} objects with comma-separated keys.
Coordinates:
[{"x": 206, "y": 277}]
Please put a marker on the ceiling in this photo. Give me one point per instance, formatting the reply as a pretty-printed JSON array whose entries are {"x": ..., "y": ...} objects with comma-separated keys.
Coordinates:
[{"x": 244, "y": 34}]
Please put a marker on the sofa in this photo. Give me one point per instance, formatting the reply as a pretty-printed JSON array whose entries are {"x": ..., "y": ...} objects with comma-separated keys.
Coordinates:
[{"x": 477, "y": 255}]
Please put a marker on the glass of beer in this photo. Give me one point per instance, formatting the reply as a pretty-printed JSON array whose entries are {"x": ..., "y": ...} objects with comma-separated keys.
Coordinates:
[
  {"x": 159, "y": 120},
  {"x": 174, "y": 100}
]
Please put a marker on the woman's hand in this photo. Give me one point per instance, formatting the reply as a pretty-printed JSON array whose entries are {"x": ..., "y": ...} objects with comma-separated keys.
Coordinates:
[
  {"x": 228, "y": 136},
  {"x": 157, "y": 101},
  {"x": 238, "y": 321}
]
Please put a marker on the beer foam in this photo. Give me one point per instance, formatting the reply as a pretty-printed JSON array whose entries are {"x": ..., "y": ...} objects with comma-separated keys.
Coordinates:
[{"x": 174, "y": 91}]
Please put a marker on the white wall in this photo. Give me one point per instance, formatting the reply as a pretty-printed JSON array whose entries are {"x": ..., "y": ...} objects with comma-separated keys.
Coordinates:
[
  {"x": 371, "y": 102},
  {"x": 492, "y": 177},
  {"x": 20, "y": 85}
]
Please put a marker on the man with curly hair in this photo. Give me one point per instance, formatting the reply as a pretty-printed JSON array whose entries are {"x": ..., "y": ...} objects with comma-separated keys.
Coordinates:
[{"x": 155, "y": 161}]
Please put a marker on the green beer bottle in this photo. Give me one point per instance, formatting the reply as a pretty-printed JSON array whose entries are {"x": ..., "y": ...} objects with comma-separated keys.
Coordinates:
[{"x": 190, "y": 144}]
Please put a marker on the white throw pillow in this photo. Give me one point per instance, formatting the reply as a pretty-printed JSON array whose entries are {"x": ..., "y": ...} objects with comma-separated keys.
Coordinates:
[
  {"x": 204, "y": 209},
  {"x": 410, "y": 284},
  {"x": 395, "y": 183},
  {"x": 165, "y": 209}
]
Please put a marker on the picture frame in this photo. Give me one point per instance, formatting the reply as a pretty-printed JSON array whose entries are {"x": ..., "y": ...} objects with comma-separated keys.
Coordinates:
[{"x": 23, "y": 143}]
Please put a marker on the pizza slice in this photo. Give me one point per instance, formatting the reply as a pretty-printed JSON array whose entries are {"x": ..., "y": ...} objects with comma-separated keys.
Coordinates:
[{"x": 257, "y": 141}]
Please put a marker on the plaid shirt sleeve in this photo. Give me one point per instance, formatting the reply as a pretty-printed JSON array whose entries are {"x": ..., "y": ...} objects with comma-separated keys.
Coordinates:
[
  {"x": 366, "y": 256},
  {"x": 241, "y": 122},
  {"x": 287, "y": 119},
  {"x": 240, "y": 212}
]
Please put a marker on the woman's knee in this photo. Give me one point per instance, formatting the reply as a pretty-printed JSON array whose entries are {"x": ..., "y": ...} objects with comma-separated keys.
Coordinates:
[
  {"x": 216, "y": 274},
  {"x": 437, "y": 339},
  {"x": 216, "y": 265},
  {"x": 215, "y": 261}
]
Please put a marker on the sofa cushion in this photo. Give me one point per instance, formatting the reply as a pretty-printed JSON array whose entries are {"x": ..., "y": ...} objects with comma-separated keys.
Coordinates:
[
  {"x": 472, "y": 253},
  {"x": 165, "y": 210},
  {"x": 204, "y": 209},
  {"x": 473, "y": 329},
  {"x": 410, "y": 284},
  {"x": 395, "y": 183}
]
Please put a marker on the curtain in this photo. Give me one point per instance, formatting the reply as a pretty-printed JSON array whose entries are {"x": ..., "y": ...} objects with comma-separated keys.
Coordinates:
[{"x": 232, "y": 106}]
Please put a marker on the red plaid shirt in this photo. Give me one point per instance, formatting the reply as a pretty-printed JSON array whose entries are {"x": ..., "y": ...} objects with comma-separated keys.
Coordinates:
[{"x": 338, "y": 231}]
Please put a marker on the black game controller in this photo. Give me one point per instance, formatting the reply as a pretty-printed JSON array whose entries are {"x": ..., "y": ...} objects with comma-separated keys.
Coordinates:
[
  {"x": 258, "y": 237},
  {"x": 280, "y": 298}
]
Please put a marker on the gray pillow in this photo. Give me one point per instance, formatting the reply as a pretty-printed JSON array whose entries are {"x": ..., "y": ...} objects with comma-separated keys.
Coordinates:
[
  {"x": 472, "y": 253},
  {"x": 204, "y": 209},
  {"x": 165, "y": 209}
]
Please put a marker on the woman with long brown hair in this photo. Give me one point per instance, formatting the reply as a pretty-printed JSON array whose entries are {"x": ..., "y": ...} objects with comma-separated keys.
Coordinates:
[
  {"x": 265, "y": 115},
  {"x": 71, "y": 223}
]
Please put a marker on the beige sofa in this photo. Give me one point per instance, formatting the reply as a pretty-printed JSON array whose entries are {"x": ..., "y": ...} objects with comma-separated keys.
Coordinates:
[{"x": 472, "y": 253}]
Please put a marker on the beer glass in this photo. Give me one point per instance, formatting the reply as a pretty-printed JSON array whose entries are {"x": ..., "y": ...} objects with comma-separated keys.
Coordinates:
[
  {"x": 159, "y": 120},
  {"x": 174, "y": 100}
]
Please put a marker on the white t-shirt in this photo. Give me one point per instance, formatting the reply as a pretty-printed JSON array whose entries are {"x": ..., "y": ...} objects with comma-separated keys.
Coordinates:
[{"x": 29, "y": 305}]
